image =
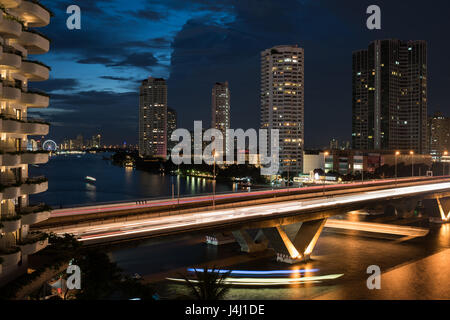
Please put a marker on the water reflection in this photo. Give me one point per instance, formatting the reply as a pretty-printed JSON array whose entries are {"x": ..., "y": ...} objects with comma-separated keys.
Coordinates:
[{"x": 114, "y": 183}]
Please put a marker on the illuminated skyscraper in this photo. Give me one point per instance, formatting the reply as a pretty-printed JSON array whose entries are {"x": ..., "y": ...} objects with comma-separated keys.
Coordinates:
[
  {"x": 282, "y": 102},
  {"x": 390, "y": 96},
  {"x": 153, "y": 118},
  {"x": 220, "y": 111}
]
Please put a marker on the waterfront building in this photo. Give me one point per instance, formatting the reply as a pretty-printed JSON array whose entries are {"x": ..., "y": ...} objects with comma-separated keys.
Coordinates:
[
  {"x": 390, "y": 96},
  {"x": 282, "y": 102},
  {"x": 19, "y": 39},
  {"x": 153, "y": 118},
  {"x": 439, "y": 135},
  {"x": 220, "y": 113}
]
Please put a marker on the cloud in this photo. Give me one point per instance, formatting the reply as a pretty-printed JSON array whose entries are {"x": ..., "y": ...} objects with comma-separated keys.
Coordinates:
[{"x": 56, "y": 84}]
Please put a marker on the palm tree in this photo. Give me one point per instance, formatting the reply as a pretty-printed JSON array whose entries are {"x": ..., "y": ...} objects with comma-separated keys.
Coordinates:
[{"x": 209, "y": 284}]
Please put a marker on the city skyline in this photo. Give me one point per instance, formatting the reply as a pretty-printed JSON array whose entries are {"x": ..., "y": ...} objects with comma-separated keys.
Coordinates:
[{"x": 99, "y": 79}]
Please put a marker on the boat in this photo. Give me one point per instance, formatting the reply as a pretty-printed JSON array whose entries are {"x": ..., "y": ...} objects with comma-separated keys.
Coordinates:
[{"x": 90, "y": 179}]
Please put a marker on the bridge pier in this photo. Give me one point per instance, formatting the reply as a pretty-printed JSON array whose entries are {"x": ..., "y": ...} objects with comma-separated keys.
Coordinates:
[
  {"x": 444, "y": 210},
  {"x": 251, "y": 241},
  {"x": 294, "y": 243},
  {"x": 218, "y": 239},
  {"x": 405, "y": 208}
]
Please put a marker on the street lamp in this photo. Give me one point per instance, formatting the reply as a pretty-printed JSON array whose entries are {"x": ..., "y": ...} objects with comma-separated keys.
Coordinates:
[
  {"x": 412, "y": 163},
  {"x": 443, "y": 164},
  {"x": 397, "y": 153},
  {"x": 214, "y": 181},
  {"x": 326, "y": 154}
]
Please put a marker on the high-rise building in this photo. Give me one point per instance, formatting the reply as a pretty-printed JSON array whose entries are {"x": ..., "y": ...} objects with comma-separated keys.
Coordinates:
[
  {"x": 153, "y": 118},
  {"x": 439, "y": 135},
  {"x": 171, "y": 127},
  {"x": 282, "y": 102},
  {"x": 390, "y": 96},
  {"x": 220, "y": 110},
  {"x": 18, "y": 39}
]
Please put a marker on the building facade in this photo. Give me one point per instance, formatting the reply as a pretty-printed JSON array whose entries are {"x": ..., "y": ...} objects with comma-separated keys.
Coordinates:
[
  {"x": 439, "y": 135},
  {"x": 220, "y": 111},
  {"x": 390, "y": 96},
  {"x": 153, "y": 118},
  {"x": 282, "y": 102},
  {"x": 18, "y": 40}
]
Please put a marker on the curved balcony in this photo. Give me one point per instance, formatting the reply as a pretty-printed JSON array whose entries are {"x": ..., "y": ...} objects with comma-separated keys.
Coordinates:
[
  {"x": 11, "y": 93},
  {"x": 10, "y": 125},
  {"x": 32, "y": 244},
  {"x": 11, "y": 3},
  {"x": 34, "y": 186},
  {"x": 35, "y": 100},
  {"x": 33, "y": 158},
  {"x": 11, "y": 225},
  {"x": 10, "y": 160},
  {"x": 10, "y": 259},
  {"x": 11, "y": 60},
  {"x": 35, "y": 128},
  {"x": 11, "y": 192},
  {"x": 35, "y": 71},
  {"x": 34, "y": 42},
  {"x": 33, "y": 215},
  {"x": 31, "y": 127},
  {"x": 33, "y": 13},
  {"x": 9, "y": 28}
]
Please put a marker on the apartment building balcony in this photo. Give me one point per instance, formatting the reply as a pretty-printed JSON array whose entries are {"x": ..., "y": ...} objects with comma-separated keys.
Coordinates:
[
  {"x": 11, "y": 3},
  {"x": 11, "y": 93},
  {"x": 35, "y": 214},
  {"x": 33, "y": 99},
  {"x": 11, "y": 59},
  {"x": 10, "y": 160},
  {"x": 9, "y": 124},
  {"x": 10, "y": 259},
  {"x": 33, "y": 243},
  {"x": 11, "y": 224},
  {"x": 34, "y": 157},
  {"x": 34, "y": 186},
  {"x": 11, "y": 192},
  {"x": 15, "y": 158},
  {"x": 35, "y": 14},
  {"x": 35, "y": 128},
  {"x": 34, "y": 42},
  {"x": 9, "y": 28},
  {"x": 35, "y": 71}
]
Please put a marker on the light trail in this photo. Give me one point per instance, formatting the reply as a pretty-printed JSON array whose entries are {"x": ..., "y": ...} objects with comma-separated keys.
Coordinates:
[
  {"x": 199, "y": 199},
  {"x": 183, "y": 222},
  {"x": 257, "y": 273},
  {"x": 269, "y": 281}
]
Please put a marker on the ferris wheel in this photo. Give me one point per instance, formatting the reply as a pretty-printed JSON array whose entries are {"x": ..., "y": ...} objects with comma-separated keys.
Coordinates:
[{"x": 50, "y": 145}]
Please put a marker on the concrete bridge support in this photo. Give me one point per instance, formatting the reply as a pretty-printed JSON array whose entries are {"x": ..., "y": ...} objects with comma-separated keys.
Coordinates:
[
  {"x": 444, "y": 208},
  {"x": 294, "y": 243},
  {"x": 218, "y": 239},
  {"x": 404, "y": 208},
  {"x": 251, "y": 240}
]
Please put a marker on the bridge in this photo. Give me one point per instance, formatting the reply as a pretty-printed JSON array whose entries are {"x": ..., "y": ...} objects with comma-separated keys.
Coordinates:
[{"x": 289, "y": 221}]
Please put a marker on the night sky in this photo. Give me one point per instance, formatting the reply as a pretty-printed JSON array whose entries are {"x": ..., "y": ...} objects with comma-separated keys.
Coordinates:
[{"x": 96, "y": 71}]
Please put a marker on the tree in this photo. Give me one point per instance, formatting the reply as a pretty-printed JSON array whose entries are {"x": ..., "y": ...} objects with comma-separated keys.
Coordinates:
[{"x": 209, "y": 284}]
